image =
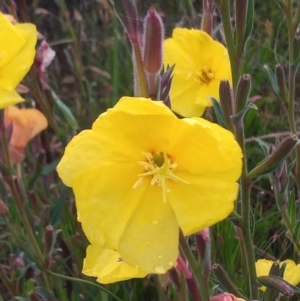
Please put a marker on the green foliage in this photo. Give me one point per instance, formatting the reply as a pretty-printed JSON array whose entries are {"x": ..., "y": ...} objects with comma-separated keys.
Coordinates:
[{"x": 91, "y": 71}]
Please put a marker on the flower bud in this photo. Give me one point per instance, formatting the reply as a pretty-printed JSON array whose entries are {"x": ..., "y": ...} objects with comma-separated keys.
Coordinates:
[
  {"x": 278, "y": 283},
  {"x": 48, "y": 239},
  {"x": 225, "y": 297},
  {"x": 275, "y": 159},
  {"x": 227, "y": 103},
  {"x": 153, "y": 41},
  {"x": 224, "y": 279},
  {"x": 240, "y": 20},
  {"x": 281, "y": 81},
  {"x": 242, "y": 92}
]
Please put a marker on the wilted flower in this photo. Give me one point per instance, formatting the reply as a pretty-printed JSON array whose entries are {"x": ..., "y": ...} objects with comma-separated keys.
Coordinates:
[
  {"x": 44, "y": 56},
  {"x": 140, "y": 174},
  {"x": 17, "y": 50},
  {"x": 291, "y": 273},
  {"x": 200, "y": 65},
  {"x": 26, "y": 123}
]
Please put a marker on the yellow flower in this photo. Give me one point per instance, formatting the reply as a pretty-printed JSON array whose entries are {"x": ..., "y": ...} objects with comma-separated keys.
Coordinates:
[
  {"x": 17, "y": 51},
  {"x": 139, "y": 175},
  {"x": 291, "y": 273},
  {"x": 200, "y": 64}
]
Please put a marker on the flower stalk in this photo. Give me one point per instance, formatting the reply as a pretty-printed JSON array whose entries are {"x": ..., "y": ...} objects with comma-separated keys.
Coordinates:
[{"x": 195, "y": 268}]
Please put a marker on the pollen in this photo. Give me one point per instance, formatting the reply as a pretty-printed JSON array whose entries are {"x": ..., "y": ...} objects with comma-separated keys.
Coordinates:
[{"x": 160, "y": 167}]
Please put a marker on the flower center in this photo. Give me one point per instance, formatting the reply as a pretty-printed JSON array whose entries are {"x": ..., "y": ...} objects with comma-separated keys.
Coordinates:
[
  {"x": 160, "y": 167},
  {"x": 205, "y": 75}
]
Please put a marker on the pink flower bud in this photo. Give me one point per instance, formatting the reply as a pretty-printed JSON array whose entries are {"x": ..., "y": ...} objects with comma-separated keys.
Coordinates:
[
  {"x": 224, "y": 297},
  {"x": 153, "y": 35}
]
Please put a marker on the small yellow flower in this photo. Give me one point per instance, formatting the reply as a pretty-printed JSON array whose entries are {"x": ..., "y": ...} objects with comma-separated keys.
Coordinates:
[
  {"x": 138, "y": 176},
  {"x": 200, "y": 64},
  {"x": 291, "y": 273},
  {"x": 17, "y": 51}
]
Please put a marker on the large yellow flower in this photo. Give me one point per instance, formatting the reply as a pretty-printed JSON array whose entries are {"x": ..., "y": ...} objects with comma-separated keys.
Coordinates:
[
  {"x": 17, "y": 51},
  {"x": 291, "y": 273},
  {"x": 200, "y": 64},
  {"x": 138, "y": 176}
]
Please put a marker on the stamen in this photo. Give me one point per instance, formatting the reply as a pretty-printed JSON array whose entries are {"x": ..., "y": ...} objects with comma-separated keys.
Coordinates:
[
  {"x": 205, "y": 75},
  {"x": 161, "y": 168}
]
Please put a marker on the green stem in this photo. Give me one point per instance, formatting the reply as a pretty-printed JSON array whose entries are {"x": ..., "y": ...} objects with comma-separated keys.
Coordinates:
[
  {"x": 225, "y": 15},
  {"x": 281, "y": 200},
  {"x": 246, "y": 223},
  {"x": 19, "y": 203},
  {"x": 140, "y": 82},
  {"x": 291, "y": 82},
  {"x": 8, "y": 284},
  {"x": 195, "y": 268},
  {"x": 85, "y": 282},
  {"x": 161, "y": 291}
]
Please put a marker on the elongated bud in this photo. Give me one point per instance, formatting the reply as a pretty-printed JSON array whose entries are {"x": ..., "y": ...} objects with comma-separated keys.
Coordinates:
[
  {"x": 281, "y": 81},
  {"x": 277, "y": 283},
  {"x": 127, "y": 13},
  {"x": 48, "y": 239},
  {"x": 227, "y": 103},
  {"x": 207, "y": 17},
  {"x": 240, "y": 22},
  {"x": 203, "y": 244},
  {"x": 243, "y": 91},
  {"x": 223, "y": 277},
  {"x": 275, "y": 159},
  {"x": 153, "y": 53},
  {"x": 153, "y": 41}
]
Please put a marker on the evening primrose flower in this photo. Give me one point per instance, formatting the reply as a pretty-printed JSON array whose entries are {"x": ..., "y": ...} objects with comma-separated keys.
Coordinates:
[
  {"x": 17, "y": 51},
  {"x": 26, "y": 123},
  {"x": 200, "y": 65},
  {"x": 291, "y": 273},
  {"x": 139, "y": 175}
]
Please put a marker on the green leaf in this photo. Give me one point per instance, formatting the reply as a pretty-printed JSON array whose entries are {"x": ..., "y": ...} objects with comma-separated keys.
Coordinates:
[
  {"x": 249, "y": 21},
  {"x": 239, "y": 117},
  {"x": 218, "y": 111},
  {"x": 272, "y": 79},
  {"x": 291, "y": 208},
  {"x": 45, "y": 294},
  {"x": 65, "y": 111}
]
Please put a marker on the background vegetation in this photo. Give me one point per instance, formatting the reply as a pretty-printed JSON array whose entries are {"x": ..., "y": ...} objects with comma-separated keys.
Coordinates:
[{"x": 91, "y": 71}]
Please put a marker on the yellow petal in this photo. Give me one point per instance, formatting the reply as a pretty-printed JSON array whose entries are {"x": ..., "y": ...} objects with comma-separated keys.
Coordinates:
[
  {"x": 14, "y": 69},
  {"x": 291, "y": 272},
  {"x": 150, "y": 239},
  {"x": 195, "y": 54},
  {"x": 11, "y": 42},
  {"x": 205, "y": 148},
  {"x": 106, "y": 205},
  {"x": 9, "y": 98},
  {"x": 207, "y": 200},
  {"x": 108, "y": 266}
]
